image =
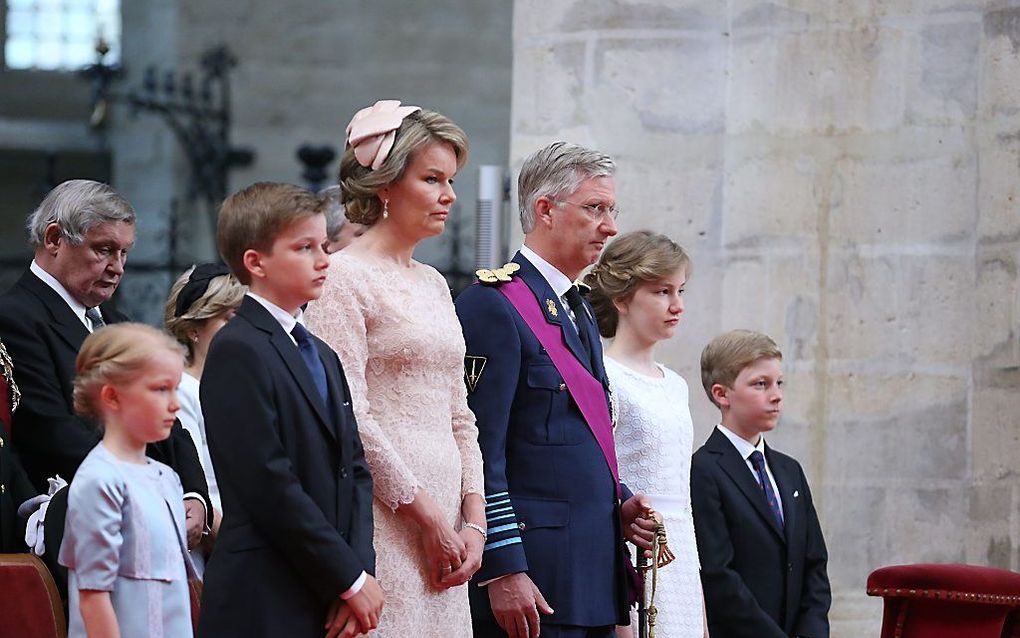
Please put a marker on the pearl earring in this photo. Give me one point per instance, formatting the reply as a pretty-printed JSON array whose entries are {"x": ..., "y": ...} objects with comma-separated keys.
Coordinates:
[{"x": 385, "y": 208}]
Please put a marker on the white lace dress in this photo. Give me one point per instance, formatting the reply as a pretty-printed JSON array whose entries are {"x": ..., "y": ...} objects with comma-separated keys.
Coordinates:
[
  {"x": 654, "y": 441},
  {"x": 402, "y": 349}
]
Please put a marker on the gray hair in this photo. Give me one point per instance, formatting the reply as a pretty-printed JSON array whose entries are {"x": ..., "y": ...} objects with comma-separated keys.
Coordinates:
[
  {"x": 333, "y": 208},
  {"x": 77, "y": 206},
  {"x": 557, "y": 170}
]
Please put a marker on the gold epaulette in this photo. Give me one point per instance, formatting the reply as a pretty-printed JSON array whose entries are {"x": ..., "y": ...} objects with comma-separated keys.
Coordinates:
[{"x": 497, "y": 276}]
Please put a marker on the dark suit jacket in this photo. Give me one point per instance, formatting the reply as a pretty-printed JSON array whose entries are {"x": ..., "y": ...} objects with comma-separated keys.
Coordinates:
[
  {"x": 15, "y": 489},
  {"x": 43, "y": 337},
  {"x": 297, "y": 494},
  {"x": 760, "y": 581},
  {"x": 551, "y": 500}
]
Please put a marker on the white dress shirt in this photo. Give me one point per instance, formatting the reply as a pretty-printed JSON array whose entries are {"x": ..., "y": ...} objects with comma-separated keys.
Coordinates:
[
  {"x": 559, "y": 282},
  {"x": 76, "y": 306},
  {"x": 745, "y": 449}
]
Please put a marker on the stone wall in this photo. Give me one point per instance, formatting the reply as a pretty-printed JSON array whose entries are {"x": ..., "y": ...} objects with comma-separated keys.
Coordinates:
[{"x": 844, "y": 175}]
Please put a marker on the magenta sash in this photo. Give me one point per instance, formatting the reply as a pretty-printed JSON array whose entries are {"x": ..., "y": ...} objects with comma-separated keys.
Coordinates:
[{"x": 586, "y": 390}]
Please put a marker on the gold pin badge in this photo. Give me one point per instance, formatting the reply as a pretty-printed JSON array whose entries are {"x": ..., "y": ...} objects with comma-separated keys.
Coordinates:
[{"x": 551, "y": 305}]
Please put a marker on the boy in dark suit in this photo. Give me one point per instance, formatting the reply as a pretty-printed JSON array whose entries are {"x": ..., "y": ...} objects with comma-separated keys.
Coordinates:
[
  {"x": 294, "y": 553},
  {"x": 762, "y": 553}
]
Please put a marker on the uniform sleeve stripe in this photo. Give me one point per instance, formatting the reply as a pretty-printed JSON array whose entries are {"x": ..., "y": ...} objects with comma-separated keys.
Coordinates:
[
  {"x": 500, "y": 511},
  {"x": 503, "y": 543},
  {"x": 490, "y": 497},
  {"x": 499, "y": 503},
  {"x": 493, "y": 519},
  {"x": 502, "y": 528}
]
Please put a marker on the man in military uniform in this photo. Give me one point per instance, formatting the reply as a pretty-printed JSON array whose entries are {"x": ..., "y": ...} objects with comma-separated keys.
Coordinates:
[{"x": 557, "y": 513}]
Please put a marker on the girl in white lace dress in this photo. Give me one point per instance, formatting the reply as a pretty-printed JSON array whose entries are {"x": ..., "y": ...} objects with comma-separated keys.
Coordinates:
[
  {"x": 636, "y": 294},
  {"x": 391, "y": 320}
]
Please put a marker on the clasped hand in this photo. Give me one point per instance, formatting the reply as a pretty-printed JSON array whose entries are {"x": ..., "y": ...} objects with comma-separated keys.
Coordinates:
[
  {"x": 357, "y": 615},
  {"x": 451, "y": 558}
]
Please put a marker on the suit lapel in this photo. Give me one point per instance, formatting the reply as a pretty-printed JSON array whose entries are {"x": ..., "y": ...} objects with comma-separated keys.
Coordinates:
[
  {"x": 738, "y": 471},
  {"x": 554, "y": 311},
  {"x": 261, "y": 319},
  {"x": 787, "y": 484},
  {"x": 65, "y": 323}
]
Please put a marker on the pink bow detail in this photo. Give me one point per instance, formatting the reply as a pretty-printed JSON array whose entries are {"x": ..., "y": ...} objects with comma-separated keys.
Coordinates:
[{"x": 373, "y": 129}]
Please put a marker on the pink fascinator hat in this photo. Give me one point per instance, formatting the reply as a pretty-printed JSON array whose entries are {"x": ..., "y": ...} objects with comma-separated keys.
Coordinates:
[{"x": 373, "y": 129}]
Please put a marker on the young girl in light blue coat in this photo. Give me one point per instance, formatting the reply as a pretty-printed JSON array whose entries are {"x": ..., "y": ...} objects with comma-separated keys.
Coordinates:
[{"x": 124, "y": 539}]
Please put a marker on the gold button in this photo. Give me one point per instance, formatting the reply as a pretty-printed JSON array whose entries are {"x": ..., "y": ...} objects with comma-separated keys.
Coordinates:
[
  {"x": 563, "y": 386},
  {"x": 3, "y": 488},
  {"x": 521, "y": 526},
  {"x": 1, "y": 442}
]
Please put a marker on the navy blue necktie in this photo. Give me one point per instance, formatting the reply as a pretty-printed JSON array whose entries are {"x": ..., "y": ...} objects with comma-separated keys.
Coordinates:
[
  {"x": 312, "y": 360},
  {"x": 758, "y": 461},
  {"x": 581, "y": 320}
]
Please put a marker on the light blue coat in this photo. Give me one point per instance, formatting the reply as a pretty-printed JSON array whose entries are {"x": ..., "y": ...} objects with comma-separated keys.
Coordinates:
[{"x": 125, "y": 534}]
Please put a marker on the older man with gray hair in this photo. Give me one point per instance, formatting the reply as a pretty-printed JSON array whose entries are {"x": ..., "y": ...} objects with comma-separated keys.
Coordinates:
[
  {"x": 82, "y": 232},
  {"x": 556, "y": 511}
]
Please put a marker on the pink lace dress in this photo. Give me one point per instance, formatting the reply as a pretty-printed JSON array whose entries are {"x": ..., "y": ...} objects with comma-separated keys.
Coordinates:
[{"x": 402, "y": 350}]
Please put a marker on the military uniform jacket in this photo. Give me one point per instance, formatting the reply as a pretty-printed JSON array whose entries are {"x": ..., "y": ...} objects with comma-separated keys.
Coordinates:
[{"x": 551, "y": 501}]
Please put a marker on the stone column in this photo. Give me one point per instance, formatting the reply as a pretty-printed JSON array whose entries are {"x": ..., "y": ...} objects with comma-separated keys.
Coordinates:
[{"x": 844, "y": 175}]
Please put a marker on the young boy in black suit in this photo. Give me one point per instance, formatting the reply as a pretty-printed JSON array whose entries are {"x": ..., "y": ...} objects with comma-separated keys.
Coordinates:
[
  {"x": 294, "y": 554},
  {"x": 762, "y": 553}
]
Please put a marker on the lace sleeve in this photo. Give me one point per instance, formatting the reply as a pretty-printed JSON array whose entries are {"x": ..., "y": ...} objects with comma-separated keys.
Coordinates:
[
  {"x": 466, "y": 434},
  {"x": 341, "y": 318}
]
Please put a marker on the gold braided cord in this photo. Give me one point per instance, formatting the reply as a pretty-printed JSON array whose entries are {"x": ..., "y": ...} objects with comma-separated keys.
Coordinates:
[{"x": 661, "y": 556}]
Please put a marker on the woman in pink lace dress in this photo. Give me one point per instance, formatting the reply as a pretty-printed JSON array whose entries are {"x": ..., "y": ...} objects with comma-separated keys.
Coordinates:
[{"x": 391, "y": 320}]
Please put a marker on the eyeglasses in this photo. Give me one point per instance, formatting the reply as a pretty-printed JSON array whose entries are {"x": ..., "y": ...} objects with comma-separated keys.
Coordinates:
[{"x": 595, "y": 211}]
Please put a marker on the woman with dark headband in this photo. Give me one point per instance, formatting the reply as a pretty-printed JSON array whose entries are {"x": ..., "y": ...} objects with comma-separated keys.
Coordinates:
[{"x": 201, "y": 302}]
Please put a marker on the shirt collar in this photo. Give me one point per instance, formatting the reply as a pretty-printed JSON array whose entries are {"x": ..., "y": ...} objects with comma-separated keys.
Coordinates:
[
  {"x": 284, "y": 318},
  {"x": 76, "y": 306},
  {"x": 559, "y": 282},
  {"x": 744, "y": 448}
]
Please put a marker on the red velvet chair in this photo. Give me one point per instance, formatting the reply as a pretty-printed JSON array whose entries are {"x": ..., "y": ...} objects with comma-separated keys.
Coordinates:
[
  {"x": 30, "y": 606},
  {"x": 195, "y": 593},
  {"x": 947, "y": 601}
]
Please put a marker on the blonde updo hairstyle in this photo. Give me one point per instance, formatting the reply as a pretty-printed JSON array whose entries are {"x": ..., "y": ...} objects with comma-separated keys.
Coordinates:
[
  {"x": 360, "y": 186},
  {"x": 225, "y": 293},
  {"x": 630, "y": 260},
  {"x": 112, "y": 355}
]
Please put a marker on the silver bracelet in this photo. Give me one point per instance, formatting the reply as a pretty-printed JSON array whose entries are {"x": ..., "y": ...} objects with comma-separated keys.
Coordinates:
[{"x": 478, "y": 528}]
